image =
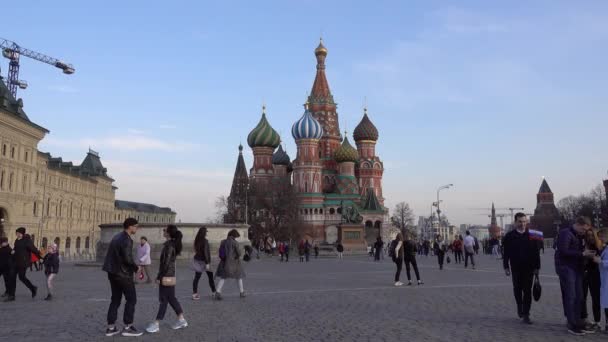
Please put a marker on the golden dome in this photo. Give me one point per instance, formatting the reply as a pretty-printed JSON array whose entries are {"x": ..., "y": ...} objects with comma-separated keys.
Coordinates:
[{"x": 321, "y": 49}]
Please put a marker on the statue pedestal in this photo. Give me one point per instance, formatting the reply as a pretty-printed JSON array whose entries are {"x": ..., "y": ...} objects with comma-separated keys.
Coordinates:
[{"x": 352, "y": 236}]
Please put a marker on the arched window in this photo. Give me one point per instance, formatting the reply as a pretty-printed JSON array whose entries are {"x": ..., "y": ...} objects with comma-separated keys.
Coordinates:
[
  {"x": 35, "y": 207},
  {"x": 57, "y": 241},
  {"x": 78, "y": 244},
  {"x": 86, "y": 243},
  {"x": 332, "y": 211},
  {"x": 339, "y": 210},
  {"x": 316, "y": 211},
  {"x": 320, "y": 211},
  {"x": 68, "y": 243},
  {"x": 45, "y": 242}
]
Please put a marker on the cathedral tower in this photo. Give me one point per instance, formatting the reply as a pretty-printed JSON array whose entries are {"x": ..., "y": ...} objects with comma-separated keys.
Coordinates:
[
  {"x": 370, "y": 168},
  {"x": 263, "y": 139},
  {"x": 238, "y": 192}
]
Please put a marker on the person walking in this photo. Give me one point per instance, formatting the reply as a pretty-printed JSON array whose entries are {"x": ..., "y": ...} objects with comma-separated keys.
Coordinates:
[
  {"x": 7, "y": 269},
  {"x": 202, "y": 263},
  {"x": 409, "y": 257},
  {"x": 379, "y": 246},
  {"x": 521, "y": 261},
  {"x": 167, "y": 280},
  {"x": 469, "y": 250},
  {"x": 397, "y": 256},
  {"x": 340, "y": 250},
  {"x": 439, "y": 247},
  {"x": 22, "y": 254},
  {"x": 602, "y": 261},
  {"x": 301, "y": 248},
  {"x": 307, "y": 247},
  {"x": 591, "y": 281},
  {"x": 316, "y": 249},
  {"x": 286, "y": 251},
  {"x": 230, "y": 264},
  {"x": 120, "y": 266},
  {"x": 281, "y": 251},
  {"x": 51, "y": 268},
  {"x": 569, "y": 261},
  {"x": 457, "y": 247},
  {"x": 143, "y": 259}
]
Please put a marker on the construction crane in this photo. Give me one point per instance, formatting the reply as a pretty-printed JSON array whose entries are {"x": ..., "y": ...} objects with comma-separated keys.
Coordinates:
[
  {"x": 509, "y": 209},
  {"x": 12, "y": 51}
]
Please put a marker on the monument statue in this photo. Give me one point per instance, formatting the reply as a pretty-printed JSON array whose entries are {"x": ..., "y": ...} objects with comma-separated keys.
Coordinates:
[{"x": 351, "y": 214}]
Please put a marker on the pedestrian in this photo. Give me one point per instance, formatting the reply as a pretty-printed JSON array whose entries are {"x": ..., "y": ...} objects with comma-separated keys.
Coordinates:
[
  {"x": 202, "y": 262},
  {"x": 307, "y": 250},
  {"x": 602, "y": 262},
  {"x": 379, "y": 245},
  {"x": 120, "y": 266},
  {"x": 7, "y": 269},
  {"x": 469, "y": 249},
  {"x": 340, "y": 250},
  {"x": 230, "y": 264},
  {"x": 409, "y": 257},
  {"x": 476, "y": 248},
  {"x": 35, "y": 260},
  {"x": 167, "y": 281},
  {"x": 591, "y": 281},
  {"x": 397, "y": 255},
  {"x": 143, "y": 259},
  {"x": 316, "y": 249},
  {"x": 569, "y": 264},
  {"x": 521, "y": 261},
  {"x": 273, "y": 247},
  {"x": 22, "y": 254},
  {"x": 301, "y": 248},
  {"x": 51, "y": 268},
  {"x": 286, "y": 251},
  {"x": 281, "y": 251},
  {"x": 457, "y": 247},
  {"x": 439, "y": 247},
  {"x": 42, "y": 251}
]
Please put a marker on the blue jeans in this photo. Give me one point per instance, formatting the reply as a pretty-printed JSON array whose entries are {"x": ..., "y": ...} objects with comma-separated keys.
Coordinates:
[{"x": 571, "y": 283}]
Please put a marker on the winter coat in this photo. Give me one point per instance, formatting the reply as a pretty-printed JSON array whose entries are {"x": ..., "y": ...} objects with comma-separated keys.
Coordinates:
[
  {"x": 409, "y": 249},
  {"x": 203, "y": 253},
  {"x": 520, "y": 252},
  {"x": 569, "y": 252},
  {"x": 119, "y": 258},
  {"x": 166, "y": 265},
  {"x": 231, "y": 266},
  {"x": 143, "y": 254},
  {"x": 604, "y": 279},
  {"x": 6, "y": 258},
  {"x": 22, "y": 252},
  {"x": 51, "y": 263}
]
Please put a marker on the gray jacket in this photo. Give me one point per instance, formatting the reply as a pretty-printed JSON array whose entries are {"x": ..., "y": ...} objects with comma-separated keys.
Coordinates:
[{"x": 231, "y": 267}]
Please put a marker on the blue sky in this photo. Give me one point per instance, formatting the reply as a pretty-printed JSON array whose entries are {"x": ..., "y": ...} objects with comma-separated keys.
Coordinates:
[{"x": 488, "y": 95}]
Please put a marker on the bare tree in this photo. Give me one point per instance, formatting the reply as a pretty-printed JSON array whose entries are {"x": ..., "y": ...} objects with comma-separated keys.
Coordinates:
[
  {"x": 592, "y": 205},
  {"x": 403, "y": 217},
  {"x": 221, "y": 210}
]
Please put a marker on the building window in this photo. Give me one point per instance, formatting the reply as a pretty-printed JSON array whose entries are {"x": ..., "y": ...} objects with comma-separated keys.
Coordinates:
[
  {"x": 86, "y": 243},
  {"x": 352, "y": 235},
  {"x": 68, "y": 243},
  {"x": 48, "y": 207},
  {"x": 35, "y": 207},
  {"x": 2, "y": 180},
  {"x": 58, "y": 242},
  {"x": 45, "y": 242},
  {"x": 24, "y": 187},
  {"x": 26, "y": 156},
  {"x": 78, "y": 244},
  {"x": 10, "y": 182},
  {"x": 4, "y": 150},
  {"x": 13, "y": 152}
]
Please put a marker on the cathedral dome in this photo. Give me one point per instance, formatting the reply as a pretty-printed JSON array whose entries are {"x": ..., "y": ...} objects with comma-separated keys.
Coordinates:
[
  {"x": 346, "y": 153},
  {"x": 365, "y": 130},
  {"x": 321, "y": 49},
  {"x": 307, "y": 127},
  {"x": 263, "y": 135},
  {"x": 280, "y": 157}
]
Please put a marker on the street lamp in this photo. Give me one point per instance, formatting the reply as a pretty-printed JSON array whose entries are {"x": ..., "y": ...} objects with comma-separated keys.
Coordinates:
[{"x": 447, "y": 186}]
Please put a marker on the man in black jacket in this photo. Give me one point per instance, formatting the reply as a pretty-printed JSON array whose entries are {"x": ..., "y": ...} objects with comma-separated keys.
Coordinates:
[
  {"x": 120, "y": 267},
  {"x": 521, "y": 253},
  {"x": 22, "y": 254}
]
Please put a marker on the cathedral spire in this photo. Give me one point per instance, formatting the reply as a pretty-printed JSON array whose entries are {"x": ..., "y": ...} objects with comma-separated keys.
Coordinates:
[
  {"x": 237, "y": 201},
  {"x": 320, "y": 93},
  {"x": 493, "y": 222}
]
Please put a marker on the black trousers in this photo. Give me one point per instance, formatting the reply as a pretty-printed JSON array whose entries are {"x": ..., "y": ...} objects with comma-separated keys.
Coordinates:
[
  {"x": 591, "y": 284},
  {"x": 20, "y": 272},
  {"x": 522, "y": 290},
  {"x": 122, "y": 286},
  {"x": 458, "y": 257},
  {"x": 411, "y": 260},
  {"x": 197, "y": 277},
  {"x": 166, "y": 296},
  {"x": 468, "y": 255},
  {"x": 440, "y": 256},
  {"x": 399, "y": 262},
  {"x": 9, "y": 282}
]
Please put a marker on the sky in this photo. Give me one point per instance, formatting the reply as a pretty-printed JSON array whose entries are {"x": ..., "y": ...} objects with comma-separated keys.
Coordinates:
[{"x": 488, "y": 95}]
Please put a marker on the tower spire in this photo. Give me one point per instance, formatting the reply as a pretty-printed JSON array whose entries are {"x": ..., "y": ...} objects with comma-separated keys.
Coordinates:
[
  {"x": 320, "y": 93},
  {"x": 493, "y": 221}
]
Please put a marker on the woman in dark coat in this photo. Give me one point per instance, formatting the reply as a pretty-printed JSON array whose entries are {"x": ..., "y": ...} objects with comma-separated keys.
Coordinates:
[
  {"x": 166, "y": 280},
  {"x": 202, "y": 262},
  {"x": 230, "y": 264},
  {"x": 51, "y": 268}
]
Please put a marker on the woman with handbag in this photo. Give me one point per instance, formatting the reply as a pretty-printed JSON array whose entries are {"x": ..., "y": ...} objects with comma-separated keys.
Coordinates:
[
  {"x": 166, "y": 280},
  {"x": 201, "y": 262}
]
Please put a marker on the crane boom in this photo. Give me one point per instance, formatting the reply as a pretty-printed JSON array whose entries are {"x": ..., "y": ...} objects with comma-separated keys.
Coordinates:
[{"x": 13, "y": 51}]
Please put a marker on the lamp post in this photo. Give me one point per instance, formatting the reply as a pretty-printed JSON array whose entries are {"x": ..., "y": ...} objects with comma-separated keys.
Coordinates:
[{"x": 447, "y": 186}]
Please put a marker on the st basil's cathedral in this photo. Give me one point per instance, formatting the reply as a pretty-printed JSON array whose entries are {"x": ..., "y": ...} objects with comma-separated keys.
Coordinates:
[{"x": 337, "y": 185}]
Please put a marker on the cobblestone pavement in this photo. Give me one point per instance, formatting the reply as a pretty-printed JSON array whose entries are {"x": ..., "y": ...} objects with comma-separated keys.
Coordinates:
[{"x": 324, "y": 300}]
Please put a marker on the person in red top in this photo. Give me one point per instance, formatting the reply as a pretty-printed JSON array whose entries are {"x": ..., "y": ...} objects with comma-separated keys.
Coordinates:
[
  {"x": 282, "y": 250},
  {"x": 457, "y": 248}
]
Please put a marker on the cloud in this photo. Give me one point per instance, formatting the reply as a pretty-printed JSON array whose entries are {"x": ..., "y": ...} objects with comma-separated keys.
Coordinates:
[
  {"x": 125, "y": 143},
  {"x": 63, "y": 89},
  {"x": 166, "y": 126}
]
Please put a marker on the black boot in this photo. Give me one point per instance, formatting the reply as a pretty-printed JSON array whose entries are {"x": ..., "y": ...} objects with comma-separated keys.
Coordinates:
[
  {"x": 48, "y": 297},
  {"x": 9, "y": 299}
]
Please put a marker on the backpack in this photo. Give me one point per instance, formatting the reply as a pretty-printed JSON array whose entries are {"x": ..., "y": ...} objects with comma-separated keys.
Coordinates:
[
  {"x": 222, "y": 251},
  {"x": 391, "y": 249}
]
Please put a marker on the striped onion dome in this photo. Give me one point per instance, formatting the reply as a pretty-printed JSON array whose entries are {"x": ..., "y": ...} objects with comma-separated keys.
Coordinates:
[
  {"x": 365, "y": 130},
  {"x": 280, "y": 157},
  {"x": 346, "y": 153},
  {"x": 307, "y": 127},
  {"x": 263, "y": 135}
]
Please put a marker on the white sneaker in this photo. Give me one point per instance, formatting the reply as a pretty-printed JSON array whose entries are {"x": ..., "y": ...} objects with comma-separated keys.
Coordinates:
[
  {"x": 181, "y": 323},
  {"x": 398, "y": 283},
  {"x": 153, "y": 328}
]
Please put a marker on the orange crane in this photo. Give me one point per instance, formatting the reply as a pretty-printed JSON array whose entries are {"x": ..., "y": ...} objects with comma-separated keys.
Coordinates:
[{"x": 12, "y": 51}]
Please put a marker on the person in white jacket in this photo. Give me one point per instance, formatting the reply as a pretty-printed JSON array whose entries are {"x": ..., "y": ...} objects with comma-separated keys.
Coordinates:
[{"x": 143, "y": 259}]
